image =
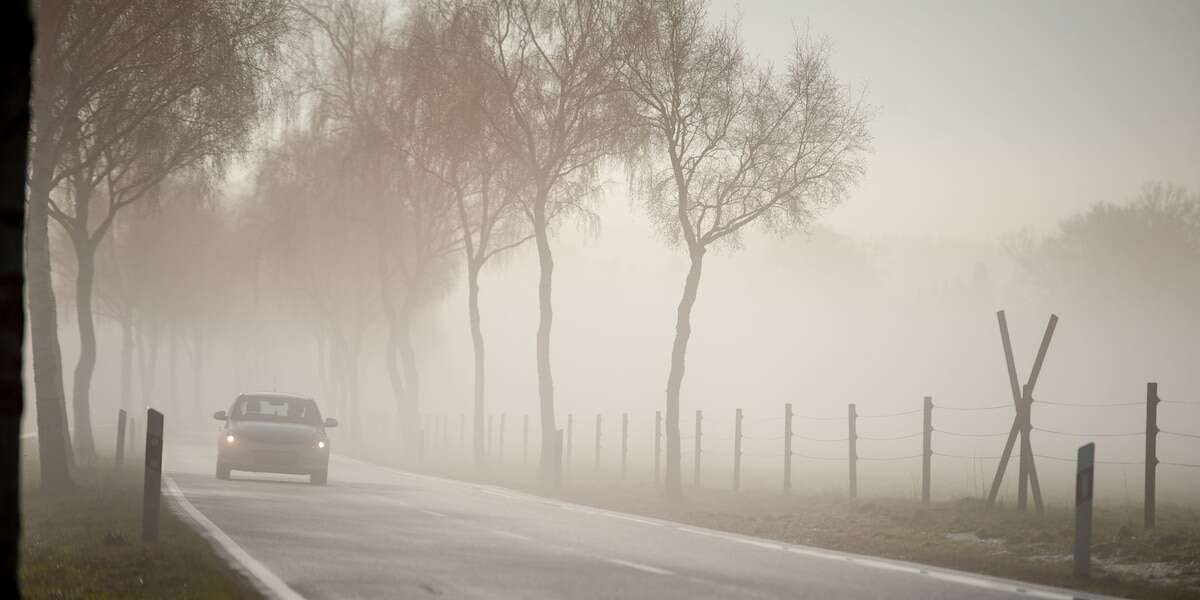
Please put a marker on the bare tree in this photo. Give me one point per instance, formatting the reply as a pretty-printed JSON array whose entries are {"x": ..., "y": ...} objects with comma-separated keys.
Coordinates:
[
  {"x": 730, "y": 145},
  {"x": 555, "y": 62},
  {"x": 128, "y": 93},
  {"x": 450, "y": 91}
]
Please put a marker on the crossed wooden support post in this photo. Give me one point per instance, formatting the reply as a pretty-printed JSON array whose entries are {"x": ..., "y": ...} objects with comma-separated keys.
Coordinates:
[{"x": 1022, "y": 425}]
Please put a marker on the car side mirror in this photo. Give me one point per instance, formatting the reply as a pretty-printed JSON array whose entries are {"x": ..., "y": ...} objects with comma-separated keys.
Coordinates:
[
  {"x": 330, "y": 422},
  {"x": 220, "y": 415}
]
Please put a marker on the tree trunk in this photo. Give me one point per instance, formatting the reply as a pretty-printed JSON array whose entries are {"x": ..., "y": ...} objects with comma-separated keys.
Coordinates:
[
  {"x": 54, "y": 446},
  {"x": 477, "y": 345},
  {"x": 14, "y": 122},
  {"x": 411, "y": 410},
  {"x": 148, "y": 355},
  {"x": 85, "y": 446},
  {"x": 683, "y": 331},
  {"x": 172, "y": 373},
  {"x": 198, "y": 403},
  {"x": 551, "y": 461},
  {"x": 127, "y": 362}
]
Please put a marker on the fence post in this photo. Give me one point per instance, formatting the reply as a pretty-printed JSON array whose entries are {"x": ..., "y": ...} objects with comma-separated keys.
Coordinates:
[
  {"x": 490, "y": 448},
  {"x": 596, "y": 465},
  {"x": 119, "y": 459},
  {"x": 500, "y": 444},
  {"x": 132, "y": 436},
  {"x": 570, "y": 439},
  {"x": 787, "y": 449},
  {"x": 1084, "y": 478},
  {"x": 624, "y": 443},
  {"x": 462, "y": 433},
  {"x": 927, "y": 450},
  {"x": 152, "y": 482},
  {"x": 525, "y": 439},
  {"x": 445, "y": 432},
  {"x": 1151, "y": 452},
  {"x": 852, "y": 418},
  {"x": 657, "y": 443},
  {"x": 737, "y": 450},
  {"x": 699, "y": 432}
]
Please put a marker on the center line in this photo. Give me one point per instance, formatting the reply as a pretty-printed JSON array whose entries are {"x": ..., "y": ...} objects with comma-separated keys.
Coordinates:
[
  {"x": 432, "y": 513},
  {"x": 639, "y": 566}
]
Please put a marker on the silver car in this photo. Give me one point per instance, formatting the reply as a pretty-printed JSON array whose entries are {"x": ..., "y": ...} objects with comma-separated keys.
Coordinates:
[{"x": 274, "y": 433}]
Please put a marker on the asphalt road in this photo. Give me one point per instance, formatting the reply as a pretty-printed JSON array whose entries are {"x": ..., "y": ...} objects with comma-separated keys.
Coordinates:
[{"x": 375, "y": 532}]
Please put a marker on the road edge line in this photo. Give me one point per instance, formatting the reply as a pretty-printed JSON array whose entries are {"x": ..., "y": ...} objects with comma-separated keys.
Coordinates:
[{"x": 266, "y": 582}]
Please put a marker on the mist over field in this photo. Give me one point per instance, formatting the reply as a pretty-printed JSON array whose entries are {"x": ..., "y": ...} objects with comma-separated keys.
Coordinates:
[{"x": 974, "y": 158}]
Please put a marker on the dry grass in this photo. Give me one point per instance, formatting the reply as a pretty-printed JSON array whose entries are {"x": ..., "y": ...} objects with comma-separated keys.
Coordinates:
[
  {"x": 963, "y": 534},
  {"x": 87, "y": 544}
]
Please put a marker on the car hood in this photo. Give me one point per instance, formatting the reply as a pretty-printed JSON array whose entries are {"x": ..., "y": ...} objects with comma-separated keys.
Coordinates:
[{"x": 274, "y": 433}]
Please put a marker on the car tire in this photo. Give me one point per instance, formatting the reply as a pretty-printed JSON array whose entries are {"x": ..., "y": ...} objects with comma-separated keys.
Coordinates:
[
  {"x": 222, "y": 471},
  {"x": 319, "y": 477}
]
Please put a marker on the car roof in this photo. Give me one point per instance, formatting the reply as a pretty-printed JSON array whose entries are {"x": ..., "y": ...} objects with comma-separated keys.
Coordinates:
[{"x": 273, "y": 395}]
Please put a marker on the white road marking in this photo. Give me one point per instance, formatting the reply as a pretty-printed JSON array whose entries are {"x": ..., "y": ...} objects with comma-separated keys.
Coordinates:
[
  {"x": 495, "y": 493},
  {"x": 432, "y": 513},
  {"x": 515, "y": 536},
  {"x": 267, "y": 582},
  {"x": 639, "y": 566}
]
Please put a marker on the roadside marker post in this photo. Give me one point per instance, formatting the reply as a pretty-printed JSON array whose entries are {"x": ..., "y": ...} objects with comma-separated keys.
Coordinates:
[
  {"x": 1084, "y": 479},
  {"x": 133, "y": 436},
  {"x": 152, "y": 482},
  {"x": 119, "y": 458}
]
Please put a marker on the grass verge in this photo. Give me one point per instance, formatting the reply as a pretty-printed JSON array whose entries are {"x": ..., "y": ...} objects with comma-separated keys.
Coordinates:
[
  {"x": 87, "y": 544},
  {"x": 967, "y": 535}
]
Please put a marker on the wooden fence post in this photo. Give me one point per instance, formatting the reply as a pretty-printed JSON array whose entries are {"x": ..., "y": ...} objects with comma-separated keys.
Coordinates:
[
  {"x": 1151, "y": 453},
  {"x": 490, "y": 447},
  {"x": 737, "y": 450},
  {"x": 852, "y": 418},
  {"x": 132, "y": 436},
  {"x": 1084, "y": 480},
  {"x": 696, "y": 462},
  {"x": 657, "y": 443},
  {"x": 525, "y": 439},
  {"x": 570, "y": 439},
  {"x": 787, "y": 449},
  {"x": 119, "y": 458},
  {"x": 500, "y": 444},
  {"x": 927, "y": 450},
  {"x": 462, "y": 433},
  {"x": 152, "y": 482},
  {"x": 624, "y": 443},
  {"x": 596, "y": 466}
]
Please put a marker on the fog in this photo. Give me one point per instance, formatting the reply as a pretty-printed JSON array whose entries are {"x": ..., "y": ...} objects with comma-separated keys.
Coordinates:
[{"x": 994, "y": 130}]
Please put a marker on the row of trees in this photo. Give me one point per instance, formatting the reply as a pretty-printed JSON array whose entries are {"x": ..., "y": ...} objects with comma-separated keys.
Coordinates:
[
  {"x": 412, "y": 148},
  {"x": 471, "y": 127}
]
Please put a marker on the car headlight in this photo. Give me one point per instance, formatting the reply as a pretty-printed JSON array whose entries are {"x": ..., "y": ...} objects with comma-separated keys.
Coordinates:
[
  {"x": 229, "y": 439},
  {"x": 321, "y": 444}
]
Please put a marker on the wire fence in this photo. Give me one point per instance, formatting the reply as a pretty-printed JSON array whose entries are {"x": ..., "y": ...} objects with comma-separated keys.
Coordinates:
[{"x": 891, "y": 437}]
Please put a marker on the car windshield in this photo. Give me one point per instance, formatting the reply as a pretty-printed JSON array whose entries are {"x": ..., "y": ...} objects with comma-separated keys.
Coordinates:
[{"x": 276, "y": 409}]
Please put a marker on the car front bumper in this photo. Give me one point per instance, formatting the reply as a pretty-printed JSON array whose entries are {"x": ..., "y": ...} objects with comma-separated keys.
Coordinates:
[{"x": 271, "y": 458}]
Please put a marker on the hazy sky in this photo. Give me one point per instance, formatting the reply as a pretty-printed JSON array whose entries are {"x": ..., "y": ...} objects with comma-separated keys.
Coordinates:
[{"x": 996, "y": 116}]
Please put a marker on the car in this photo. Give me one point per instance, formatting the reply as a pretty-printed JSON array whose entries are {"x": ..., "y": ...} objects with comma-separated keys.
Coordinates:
[{"x": 274, "y": 433}]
